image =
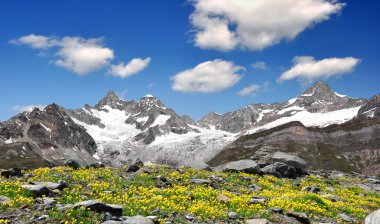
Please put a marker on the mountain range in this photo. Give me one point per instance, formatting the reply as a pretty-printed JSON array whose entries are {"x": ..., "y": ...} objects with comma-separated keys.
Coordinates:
[{"x": 327, "y": 129}]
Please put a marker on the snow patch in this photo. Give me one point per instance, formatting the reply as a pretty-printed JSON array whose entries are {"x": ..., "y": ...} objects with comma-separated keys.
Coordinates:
[
  {"x": 291, "y": 101},
  {"x": 293, "y": 108},
  {"x": 142, "y": 119},
  {"x": 313, "y": 119},
  {"x": 261, "y": 115},
  {"x": 340, "y": 95},
  {"x": 47, "y": 129},
  {"x": 161, "y": 120},
  {"x": 115, "y": 127},
  {"x": 9, "y": 141}
]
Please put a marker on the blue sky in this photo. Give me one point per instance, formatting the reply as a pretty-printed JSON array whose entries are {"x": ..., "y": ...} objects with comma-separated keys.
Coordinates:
[{"x": 186, "y": 40}]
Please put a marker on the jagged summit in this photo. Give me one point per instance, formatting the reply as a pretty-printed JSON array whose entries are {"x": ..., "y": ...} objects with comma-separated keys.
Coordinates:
[
  {"x": 113, "y": 101},
  {"x": 319, "y": 89},
  {"x": 112, "y": 95}
]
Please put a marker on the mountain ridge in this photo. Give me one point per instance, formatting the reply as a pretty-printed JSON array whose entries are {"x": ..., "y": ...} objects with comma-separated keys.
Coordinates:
[{"x": 123, "y": 130}]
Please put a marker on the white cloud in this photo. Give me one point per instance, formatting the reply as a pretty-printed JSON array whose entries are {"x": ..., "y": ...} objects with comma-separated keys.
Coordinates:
[
  {"x": 253, "y": 90},
  {"x": 209, "y": 76},
  {"x": 125, "y": 70},
  {"x": 81, "y": 55},
  {"x": 307, "y": 69},
  {"x": 34, "y": 41},
  {"x": 255, "y": 24},
  {"x": 19, "y": 108},
  {"x": 260, "y": 65}
]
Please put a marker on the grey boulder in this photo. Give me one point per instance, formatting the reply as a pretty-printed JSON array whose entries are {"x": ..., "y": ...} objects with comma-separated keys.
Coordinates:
[
  {"x": 246, "y": 166},
  {"x": 138, "y": 220},
  {"x": 198, "y": 165},
  {"x": 373, "y": 218},
  {"x": 37, "y": 190},
  {"x": 100, "y": 207}
]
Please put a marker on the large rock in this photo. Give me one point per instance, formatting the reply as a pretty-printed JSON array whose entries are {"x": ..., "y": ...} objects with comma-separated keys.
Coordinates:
[
  {"x": 14, "y": 172},
  {"x": 97, "y": 206},
  {"x": 198, "y": 165},
  {"x": 37, "y": 190},
  {"x": 373, "y": 218},
  {"x": 73, "y": 164},
  {"x": 279, "y": 170},
  {"x": 60, "y": 185},
  {"x": 138, "y": 220},
  {"x": 135, "y": 165},
  {"x": 291, "y": 160},
  {"x": 4, "y": 199},
  {"x": 246, "y": 166}
]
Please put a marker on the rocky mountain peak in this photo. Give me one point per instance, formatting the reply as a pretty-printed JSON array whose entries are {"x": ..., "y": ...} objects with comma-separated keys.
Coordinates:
[
  {"x": 113, "y": 101},
  {"x": 149, "y": 102},
  {"x": 320, "y": 90},
  {"x": 112, "y": 95}
]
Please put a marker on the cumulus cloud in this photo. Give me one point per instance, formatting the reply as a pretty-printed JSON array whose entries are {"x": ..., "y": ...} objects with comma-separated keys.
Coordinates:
[
  {"x": 125, "y": 70},
  {"x": 255, "y": 24},
  {"x": 80, "y": 55},
  {"x": 253, "y": 89},
  {"x": 34, "y": 41},
  {"x": 260, "y": 65},
  {"x": 83, "y": 55},
  {"x": 20, "y": 108},
  {"x": 306, "y": 69},
  {"x": 209, "y": 76}
]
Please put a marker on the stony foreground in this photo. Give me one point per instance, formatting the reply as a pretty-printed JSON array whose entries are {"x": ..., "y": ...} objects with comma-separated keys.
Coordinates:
[{"x": 162, "y": 194}]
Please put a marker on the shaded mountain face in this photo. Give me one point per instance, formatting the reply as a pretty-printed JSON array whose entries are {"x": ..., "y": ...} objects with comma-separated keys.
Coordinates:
[
  {"x": 371, "y": 108},
  {"x": 319, "y": 98},
  {"x": 352, "y": 146},
  {"x": 51, "y": 134}
]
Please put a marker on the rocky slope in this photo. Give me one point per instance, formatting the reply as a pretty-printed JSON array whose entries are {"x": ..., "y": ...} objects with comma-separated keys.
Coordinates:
[
  {"x": 49, "y": 136},
  {"x": 352, "y": 146}
]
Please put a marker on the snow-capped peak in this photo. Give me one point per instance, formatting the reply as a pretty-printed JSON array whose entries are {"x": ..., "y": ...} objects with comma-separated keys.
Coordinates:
[{"x": 149, "y": 96}]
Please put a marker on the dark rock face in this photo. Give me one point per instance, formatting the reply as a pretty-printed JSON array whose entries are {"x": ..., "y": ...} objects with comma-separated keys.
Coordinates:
[
  {"x": 371, "y": 108},
  {"x": 352, "y": 146},
  {"x": 46, "y": 137},
  {"x": 54, "y": 127}
]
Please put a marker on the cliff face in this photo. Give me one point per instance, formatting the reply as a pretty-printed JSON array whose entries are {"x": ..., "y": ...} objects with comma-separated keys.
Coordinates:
[
  {"x": 352, "y": 146},
  {"x": 48, "y": 136}
]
